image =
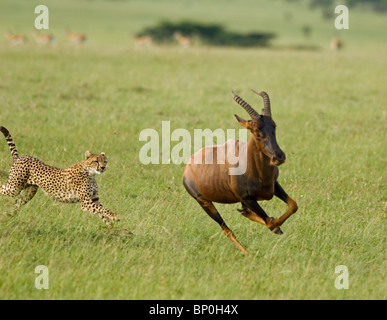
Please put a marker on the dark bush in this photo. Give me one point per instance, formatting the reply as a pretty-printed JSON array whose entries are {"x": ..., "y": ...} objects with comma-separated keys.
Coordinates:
[{"x": 209, "y": 34}]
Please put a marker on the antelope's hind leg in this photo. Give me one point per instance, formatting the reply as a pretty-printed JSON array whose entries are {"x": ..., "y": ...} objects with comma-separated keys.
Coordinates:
[{"x": 210, "y": 209}]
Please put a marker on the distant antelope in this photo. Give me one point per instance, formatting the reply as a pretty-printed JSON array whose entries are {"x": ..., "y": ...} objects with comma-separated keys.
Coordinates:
[
  {"x": 75, "y": 38},
  {"x": 143, "y": 40},
  {"x": 261, "y": 156},
  {"x": 184, "y": 41},
  {"x": 44, "y": 38},
  {"x": 16, "y": 39},
  {"x": 336, "y": 44}
]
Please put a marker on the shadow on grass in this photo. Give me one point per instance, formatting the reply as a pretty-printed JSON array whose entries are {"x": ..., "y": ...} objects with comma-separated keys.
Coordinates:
[
  {"x": 72, "y": 236},
  {"x": 4, "y": 175},
  {"x": 207, "y": 34},
  {"x": 298, "y": 47}
]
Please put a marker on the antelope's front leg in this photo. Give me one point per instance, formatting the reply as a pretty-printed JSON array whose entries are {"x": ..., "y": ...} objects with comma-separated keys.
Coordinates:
[
  {"x": 292, "y": 207},
  {"x": 253, "y": 211}
]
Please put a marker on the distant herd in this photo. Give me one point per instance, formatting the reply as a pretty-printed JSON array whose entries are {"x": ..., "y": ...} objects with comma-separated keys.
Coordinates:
[
  {"x": 139, "y": 40},
  {"x": 44, "y": 38},
  {"x": 78, "y": 38}
]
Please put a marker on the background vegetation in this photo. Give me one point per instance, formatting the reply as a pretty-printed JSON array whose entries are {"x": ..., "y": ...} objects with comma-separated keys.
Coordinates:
[{"x": 59, "y": 101}]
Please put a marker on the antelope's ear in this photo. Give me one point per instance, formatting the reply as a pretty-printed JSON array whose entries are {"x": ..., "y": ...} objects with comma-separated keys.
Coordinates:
[
  {"x": 242, "y": 122},
  {"x": 87, "y": 154}
]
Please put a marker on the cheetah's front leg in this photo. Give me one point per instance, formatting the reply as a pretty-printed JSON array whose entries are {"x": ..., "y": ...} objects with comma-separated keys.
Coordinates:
[
  {"x": 95, "y": 198},
  {"x": 106, "y": 215}
]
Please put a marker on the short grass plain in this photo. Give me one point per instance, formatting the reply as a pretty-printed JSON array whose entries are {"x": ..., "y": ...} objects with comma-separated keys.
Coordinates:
[{"x": 330, "y": 109}]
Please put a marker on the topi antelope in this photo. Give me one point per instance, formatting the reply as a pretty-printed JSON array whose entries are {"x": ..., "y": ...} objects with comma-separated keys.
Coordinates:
[
  {"x": 75, "y": 38},
  {"x": 184, "y": 41},
  {"x": 144, "y": 41},
  {"x": 209, "y": 183},
  {"x": 44, "y": 38},
  {"x": 336, "y": 44},
  {"x": 16, "y": 39}
]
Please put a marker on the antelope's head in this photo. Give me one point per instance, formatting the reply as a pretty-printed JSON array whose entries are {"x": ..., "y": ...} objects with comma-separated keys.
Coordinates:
[{"x": 262, "y": 127}]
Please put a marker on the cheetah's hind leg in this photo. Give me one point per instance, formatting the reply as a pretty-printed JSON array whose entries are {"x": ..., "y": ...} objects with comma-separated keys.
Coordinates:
[
  {"x": 17, "y": 181},
  {"x": 25, "y": 196}
]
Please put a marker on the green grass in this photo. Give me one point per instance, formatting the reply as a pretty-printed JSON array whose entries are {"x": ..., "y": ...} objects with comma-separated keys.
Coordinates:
[{"x": 330, "y": 111}]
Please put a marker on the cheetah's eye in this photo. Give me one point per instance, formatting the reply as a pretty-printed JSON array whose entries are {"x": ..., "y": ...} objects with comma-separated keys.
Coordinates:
[{"x": 96, "y": 161}]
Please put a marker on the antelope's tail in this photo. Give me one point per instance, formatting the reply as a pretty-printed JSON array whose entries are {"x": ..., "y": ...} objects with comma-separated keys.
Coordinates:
[{"x": 10, "y": 142}]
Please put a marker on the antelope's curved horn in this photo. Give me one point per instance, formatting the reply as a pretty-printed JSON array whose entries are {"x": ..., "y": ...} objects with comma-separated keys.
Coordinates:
[
  {"x": 253, "y": 114},
  {"x": 266, "y": 102}
]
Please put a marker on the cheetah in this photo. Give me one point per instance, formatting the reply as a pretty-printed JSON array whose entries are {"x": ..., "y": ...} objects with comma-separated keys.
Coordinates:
[{"x": 71, "y": 185}]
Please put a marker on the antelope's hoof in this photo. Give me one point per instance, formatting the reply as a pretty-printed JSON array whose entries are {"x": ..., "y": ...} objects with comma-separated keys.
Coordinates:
[{"x": 277, "y": 230}]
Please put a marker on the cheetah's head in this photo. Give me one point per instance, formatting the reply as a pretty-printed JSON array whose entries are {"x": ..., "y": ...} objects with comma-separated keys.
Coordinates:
[{"x": 96, "y": 162}]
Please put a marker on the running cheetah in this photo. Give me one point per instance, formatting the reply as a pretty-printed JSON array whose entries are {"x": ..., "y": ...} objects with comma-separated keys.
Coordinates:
[{"x": 73, "y": 184}]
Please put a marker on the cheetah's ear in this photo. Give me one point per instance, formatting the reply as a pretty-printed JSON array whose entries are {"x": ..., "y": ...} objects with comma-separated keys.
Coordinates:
[
  {"x": 87, "y": 154},
  {"x": 102, "y": 153}
]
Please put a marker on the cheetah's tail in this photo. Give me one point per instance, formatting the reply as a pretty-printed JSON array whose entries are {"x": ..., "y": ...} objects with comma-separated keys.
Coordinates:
[{"x": 10, "y": 142}]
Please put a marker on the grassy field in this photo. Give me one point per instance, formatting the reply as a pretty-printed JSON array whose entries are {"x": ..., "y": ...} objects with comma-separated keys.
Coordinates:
[{"x": 330, "y": 109}]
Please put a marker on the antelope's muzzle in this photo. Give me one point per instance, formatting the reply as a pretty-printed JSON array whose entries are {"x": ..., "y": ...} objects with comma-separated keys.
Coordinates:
[{"x": 278, "y": 159}]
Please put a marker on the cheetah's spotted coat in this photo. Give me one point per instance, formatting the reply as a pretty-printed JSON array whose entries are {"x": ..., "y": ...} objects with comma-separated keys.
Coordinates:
[{"x": 73, "y": 184}]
